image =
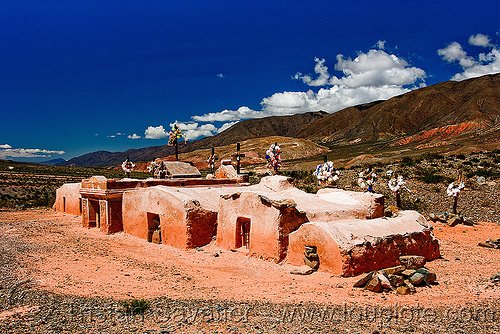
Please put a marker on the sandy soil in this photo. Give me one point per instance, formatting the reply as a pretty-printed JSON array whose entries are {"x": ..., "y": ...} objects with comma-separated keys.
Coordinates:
[{"x": 65, "y": 258}]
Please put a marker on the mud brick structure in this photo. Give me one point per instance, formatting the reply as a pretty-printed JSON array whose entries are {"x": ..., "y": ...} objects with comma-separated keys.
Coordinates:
[
  {"x": 102, "y": 198},
  {"x": 187, "y": 216},
  {"x": 353, "y": 246},
  {"x": 342, "y": 232},
  {"x": 68, "y": 199}
]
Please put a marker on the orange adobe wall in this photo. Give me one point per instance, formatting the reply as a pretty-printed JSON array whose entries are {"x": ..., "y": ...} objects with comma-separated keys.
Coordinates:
[
  {"x": 270, "y": 223},
  {"x": 351, "y": 247},
  {"x": 184, "y": 221},
  {"x": 68, "y": 199}
]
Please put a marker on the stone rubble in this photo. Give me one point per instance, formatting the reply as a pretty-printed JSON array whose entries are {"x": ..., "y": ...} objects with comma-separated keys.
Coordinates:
[
  {"x": 451, "y": 219},
  {"x": 490, "y": 244},
  {"x": 402, "y": 279}
]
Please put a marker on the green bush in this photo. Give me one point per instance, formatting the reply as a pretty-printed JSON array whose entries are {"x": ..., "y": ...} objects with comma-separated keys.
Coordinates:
[{"x": 135, "y": 306}]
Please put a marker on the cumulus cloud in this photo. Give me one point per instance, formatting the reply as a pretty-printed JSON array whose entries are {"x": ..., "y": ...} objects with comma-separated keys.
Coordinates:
[
  {"x": 155, "y": 132},
  {"x": 192, "y": 130},
  {"x": 226, "y": 126},
  {"x": 374, "y": 75},
  {"x": 330, "y": 100},
  {"x": 376, "y": 68},
  {"x": 480, "y": 40},
  {"x": 321, "y": 69},
  {"x": 486, "y": 63},
  {"x": 229, "y": 115},
  {"x": 220, "y": 75},
  {"x": 134, "y": 136},
  {"x": 6, "y": 151}
]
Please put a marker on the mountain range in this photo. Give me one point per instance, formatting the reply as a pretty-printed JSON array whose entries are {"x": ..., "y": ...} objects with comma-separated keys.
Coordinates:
[{"x": 449, "y": 116}]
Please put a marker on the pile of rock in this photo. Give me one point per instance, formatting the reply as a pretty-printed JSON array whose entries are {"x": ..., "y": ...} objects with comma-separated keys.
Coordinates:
[
  {"x": 495, "y": 278},
  {"x": 491, "y": 243},
  {"x": 450, "y": 219},
  {"x": 403, "y": 278}
]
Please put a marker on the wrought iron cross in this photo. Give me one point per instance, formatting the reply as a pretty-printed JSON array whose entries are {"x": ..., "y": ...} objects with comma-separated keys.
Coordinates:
[{"x": 237, "y": 156}]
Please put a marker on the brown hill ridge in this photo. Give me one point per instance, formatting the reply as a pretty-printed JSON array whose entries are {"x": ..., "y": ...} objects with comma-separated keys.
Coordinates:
[
  {"x": 254, "y": 150},
  {"x": 466, "y": 106},
  {"x": 453, "y": 114}
]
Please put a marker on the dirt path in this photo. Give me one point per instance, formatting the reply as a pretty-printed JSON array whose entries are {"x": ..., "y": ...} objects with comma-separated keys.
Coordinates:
[{"x": 68, "y": 259}]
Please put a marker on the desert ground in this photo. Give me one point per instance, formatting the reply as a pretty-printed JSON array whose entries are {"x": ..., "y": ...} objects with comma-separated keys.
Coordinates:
[{"x": 58, "y": 277}]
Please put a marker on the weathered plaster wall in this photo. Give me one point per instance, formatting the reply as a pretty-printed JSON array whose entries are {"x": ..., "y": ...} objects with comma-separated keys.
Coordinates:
[{"x": 68, "y": 199}]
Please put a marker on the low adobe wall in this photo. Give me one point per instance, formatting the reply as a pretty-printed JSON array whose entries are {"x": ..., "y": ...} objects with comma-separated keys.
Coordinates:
[
  {"x": 271, "y": 220},
  {"x": 351, "y": 247},
  {"x": 187, "y": 220},
  {"x": 68, "y": 199}
]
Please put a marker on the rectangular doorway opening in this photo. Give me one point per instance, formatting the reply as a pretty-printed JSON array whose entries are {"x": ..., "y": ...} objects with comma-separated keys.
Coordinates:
[
  {"x": 94, "y": 213},
  {"x": 243, "y": 232},
  {"x": 64, "y": 204},
  {"x": 154, "y": 228}
]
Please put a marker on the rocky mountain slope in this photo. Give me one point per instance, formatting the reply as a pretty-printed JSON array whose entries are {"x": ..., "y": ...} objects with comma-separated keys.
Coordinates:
[{"x": 456, "y": 116}]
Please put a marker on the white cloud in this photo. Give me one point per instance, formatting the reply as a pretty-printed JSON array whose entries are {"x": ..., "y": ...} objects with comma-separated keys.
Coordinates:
[
  {"x": 455, "y": 52},
  {"x": 226, "y": 126},
  {"x": 134, "y": 136},
  {"x": 321, "y": 69},
  {"x": 155, "y": 132},
  {"x": 376, "y": 68},
  {"x": 230, "y": 115},
  {"x": 111, "y": 136},
  {"x": 220, "y": 75},
  {"x": 486, "y": 63},
  {"x": 192, "y": 130},
  {"x": 480, "y": 40},
  {"x": 374, "y": 75},
  {"x": 330, "y": 100},
  {"x": 8, "y": 152}
]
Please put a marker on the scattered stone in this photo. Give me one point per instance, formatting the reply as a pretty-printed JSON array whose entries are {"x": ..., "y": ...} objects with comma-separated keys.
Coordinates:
[
  {"x": 495, "y": 278},
  {"x": 403, "y": 290},
  {"x": 388, "y": 212},
  {"x": 216, "y": 255},
  {"x": 374, "y": 284},
  {"x": 408, "y": 272},
  {"x": 302, "y": 270},
  {"x": 403, "y": 283},
  {"x": 451, "y": 219},
  {"x": 491, "y": 243},
  {"x": 384, "y": 281},
  {"x": 156, "y": 238},
  {"x": 396, "y": 280},
  {"x": 430, "y": 277},
  {"x": 412, "y": 261},
  {"x": 311, "y": 257},
  {"x": 417, "y": 278},
  {"x": 410, "y": 286},
  {"x": 362, "y": 282},
  {"x": 394, "y": 270}
]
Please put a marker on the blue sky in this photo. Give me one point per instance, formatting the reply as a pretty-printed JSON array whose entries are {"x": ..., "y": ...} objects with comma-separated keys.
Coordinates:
[{"x": 82, "y": 76}]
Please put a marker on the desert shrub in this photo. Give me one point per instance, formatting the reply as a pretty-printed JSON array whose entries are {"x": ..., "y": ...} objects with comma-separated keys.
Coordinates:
[
  {"x": 432, "y": 156},
  {"x": 430, "y": 175},
  {"x": 135, "y": 306},
  {"x": 302, "y": 175},
  {"x": 485, "y": 164},
  {"x": 407, "y": 161},
  {"x": 413, "y": 204},
  {"x": 476, "y": 160},
  {"x": 490, "y": 172}
]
